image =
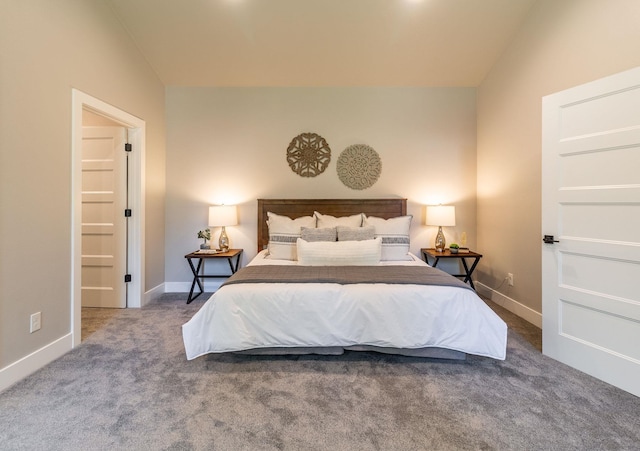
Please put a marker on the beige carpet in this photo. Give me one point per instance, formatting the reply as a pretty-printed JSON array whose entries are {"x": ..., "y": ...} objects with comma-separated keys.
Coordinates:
[{"x": 128, "y": 386}]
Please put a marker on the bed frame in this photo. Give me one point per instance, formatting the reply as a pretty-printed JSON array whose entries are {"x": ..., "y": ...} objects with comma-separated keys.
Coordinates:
[{"x": 295, "y": 208}]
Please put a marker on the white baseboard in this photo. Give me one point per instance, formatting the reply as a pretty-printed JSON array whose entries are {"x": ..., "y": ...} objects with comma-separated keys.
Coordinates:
[
  {"x": 20, "y": 369},
  {"x": 524, "y": 312},
  {"x": 153, "y": 293}
]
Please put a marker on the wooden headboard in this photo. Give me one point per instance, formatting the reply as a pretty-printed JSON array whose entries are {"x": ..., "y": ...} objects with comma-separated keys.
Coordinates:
[{"x": 295, "y": 208}]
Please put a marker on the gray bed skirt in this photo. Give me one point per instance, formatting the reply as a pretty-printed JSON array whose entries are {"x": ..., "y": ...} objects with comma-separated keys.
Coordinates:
[{"x": 433, "y": 353}]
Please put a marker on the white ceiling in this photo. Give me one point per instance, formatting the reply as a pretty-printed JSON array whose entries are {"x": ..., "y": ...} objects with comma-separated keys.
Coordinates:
[{"x": 322, "y": 42}]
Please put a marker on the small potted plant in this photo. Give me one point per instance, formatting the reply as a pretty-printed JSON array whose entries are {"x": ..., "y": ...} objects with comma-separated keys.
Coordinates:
[
  {"x": 453, "y": 247},
  {"x": 205, "y": 235}
]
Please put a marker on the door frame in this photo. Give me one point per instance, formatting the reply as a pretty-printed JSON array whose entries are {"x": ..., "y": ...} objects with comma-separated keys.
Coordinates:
[{"x": 136, "y": 136}]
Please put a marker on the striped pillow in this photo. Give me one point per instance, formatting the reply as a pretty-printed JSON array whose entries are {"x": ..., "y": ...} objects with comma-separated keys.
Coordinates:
[
  {"x": 395, "y": 235},
  {"x": 283, "y": 233}
]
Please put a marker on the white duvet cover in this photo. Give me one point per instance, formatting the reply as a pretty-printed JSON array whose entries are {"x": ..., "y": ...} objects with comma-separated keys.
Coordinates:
[{"x": 266, "y": 315}]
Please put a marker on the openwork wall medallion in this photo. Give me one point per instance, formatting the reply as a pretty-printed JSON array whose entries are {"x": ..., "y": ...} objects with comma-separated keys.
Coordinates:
[
  {"x": 308, "y": 154},
  {"x": 359, "y": 166}
]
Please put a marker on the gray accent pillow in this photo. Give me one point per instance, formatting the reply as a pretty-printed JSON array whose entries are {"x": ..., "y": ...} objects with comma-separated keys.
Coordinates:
[
  {"x": 356, "y": 233},
  {"x": 318, "y": 234}
]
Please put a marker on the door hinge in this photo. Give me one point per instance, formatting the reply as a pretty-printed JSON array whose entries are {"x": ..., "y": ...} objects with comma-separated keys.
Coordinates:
[
  {"x": 127, "y": 278},
  {"x": 127, "y": 213},
  {"x": 127, "y": 147}
]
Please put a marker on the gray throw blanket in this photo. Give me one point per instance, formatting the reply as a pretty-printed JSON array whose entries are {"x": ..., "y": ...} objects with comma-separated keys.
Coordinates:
[{"x": 414, "y": 275}]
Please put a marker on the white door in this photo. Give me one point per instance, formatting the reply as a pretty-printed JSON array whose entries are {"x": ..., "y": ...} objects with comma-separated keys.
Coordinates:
[
  {"x": 104, "y": 234},
  {"x": 591, "y": 204}
]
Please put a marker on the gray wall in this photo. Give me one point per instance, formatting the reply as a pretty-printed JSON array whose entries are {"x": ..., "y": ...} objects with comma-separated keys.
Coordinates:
[
  {"x": 561, "y": 44},
  {"x": 228, "y": 145},
  {"x": 47, "y": 49}
]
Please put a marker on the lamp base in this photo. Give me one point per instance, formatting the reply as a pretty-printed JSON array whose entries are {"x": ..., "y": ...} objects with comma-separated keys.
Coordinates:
[
  {"x": 223, "y": 242},
  {"x": 440, "y": 243}
]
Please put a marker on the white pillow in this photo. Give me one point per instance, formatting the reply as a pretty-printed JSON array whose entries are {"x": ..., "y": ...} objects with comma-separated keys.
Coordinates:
[
  {"x": 395, "y": 235},
  {"x": 332, "y": 221},
  {"x": 283, "y": 233},
  {"x": 339, "y": 253}
]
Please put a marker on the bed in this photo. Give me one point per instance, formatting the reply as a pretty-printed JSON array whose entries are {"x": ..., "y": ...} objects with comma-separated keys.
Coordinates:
[{"x": 306, "y": 293}]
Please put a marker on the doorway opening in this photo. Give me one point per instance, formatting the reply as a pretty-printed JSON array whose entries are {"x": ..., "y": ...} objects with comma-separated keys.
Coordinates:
[{"x": 87, "y": 110}]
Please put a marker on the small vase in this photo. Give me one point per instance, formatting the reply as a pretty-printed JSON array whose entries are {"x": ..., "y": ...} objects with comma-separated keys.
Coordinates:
[
  {"x": 453, "y": 250},
  {"x": 205, "y": 246}
]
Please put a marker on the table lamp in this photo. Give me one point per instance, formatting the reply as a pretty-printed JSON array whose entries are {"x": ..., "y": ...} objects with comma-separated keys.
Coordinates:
[
  {"x": 441, "y": 216},
  {"x": 222, "y": 216}
]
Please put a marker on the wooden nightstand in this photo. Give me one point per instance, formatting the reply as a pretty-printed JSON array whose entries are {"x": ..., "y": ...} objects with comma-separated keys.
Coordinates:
[
  {"x": 198, "y": 269},
  {"x": 436, "y": 256}
]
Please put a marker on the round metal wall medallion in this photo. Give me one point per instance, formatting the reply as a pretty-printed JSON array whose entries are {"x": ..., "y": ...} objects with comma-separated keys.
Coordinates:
[
  {"x": 359, "y": 166},
  {"x": 308, "y": 154}
]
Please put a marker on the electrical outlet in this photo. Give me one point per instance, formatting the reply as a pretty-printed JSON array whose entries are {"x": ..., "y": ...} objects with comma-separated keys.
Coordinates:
[
  {"x": 510, "y": 279},
  {"x": 36, "y": 322}
]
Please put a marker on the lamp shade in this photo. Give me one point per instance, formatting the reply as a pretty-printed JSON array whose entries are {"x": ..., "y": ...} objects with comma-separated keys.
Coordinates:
[
  {"x": 223, "y": 215},
  {"x": 441, "y": 215}
]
